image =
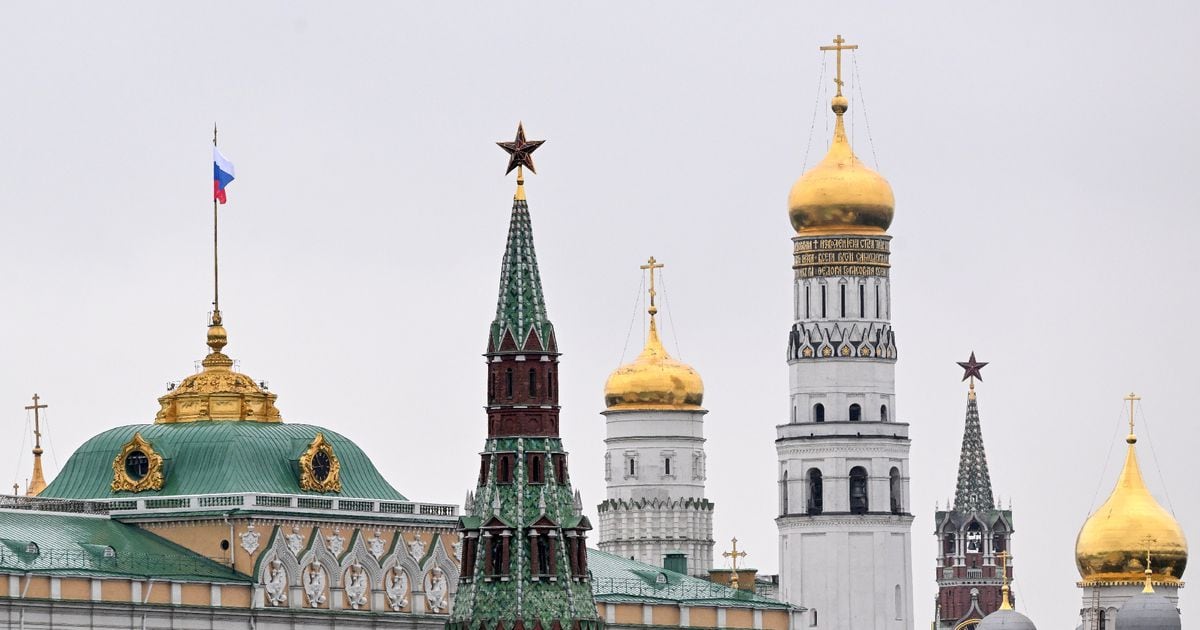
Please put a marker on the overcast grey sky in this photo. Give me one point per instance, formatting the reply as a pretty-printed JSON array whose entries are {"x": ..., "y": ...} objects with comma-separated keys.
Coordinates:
[{"x": 1042, "y": 155}]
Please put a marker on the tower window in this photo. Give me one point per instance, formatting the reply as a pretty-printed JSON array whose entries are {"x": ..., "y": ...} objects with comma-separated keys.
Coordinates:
[
  {"x": 806, "y": 300},
  {"x": 504, "y": 469},
  {"x": 974, "y": 537},
  {"x": 862, "y": 301},
  {"x": 843, "y": 287},
  {"x": 824, "y": 295},
  {"x": 550, "y": 383},
  {"x": 783, "y": 495},
  {"x": 812, "y": 618},
  {"x": 859, "y": 503},
  {"x": 532, "y": 383},
  {"x": 559, "y": 460},
  {"x": 667, "y": 466},
  {"x": 537, "y": 472},
  {"x": 883, "y": 417},
  {"x": 855, "y": 412},
  {"x": 948, "y": 545},
  {"x": 998, "y": 543},
  {"x": 899, "y": 607},
  {"x": 895, "y": 490},
  {"x": 508, "y": 383},
  {"x": 815, "y": 492},
  {"x": 877, "y": 302},
  {"x": 633, "y": 467},
  {"x": 818, "y": 413},
  {"x": 485, "y": 463}
]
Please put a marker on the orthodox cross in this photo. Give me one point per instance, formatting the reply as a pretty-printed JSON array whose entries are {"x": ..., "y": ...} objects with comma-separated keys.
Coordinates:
[
  {"x": 1149, "y": 588},
  {"x": 653, "y": 264},
  {"x": 733, "y": 556},
  {"x": 839, "y": 47},
  {"x": 37, "y": 424},
  {"x": 1132, "y": 398},
  {"x": 1003, "y": 555}
]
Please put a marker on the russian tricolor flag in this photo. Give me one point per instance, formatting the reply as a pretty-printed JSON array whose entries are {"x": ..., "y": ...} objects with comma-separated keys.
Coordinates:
[{"x": 222, "y": 175}]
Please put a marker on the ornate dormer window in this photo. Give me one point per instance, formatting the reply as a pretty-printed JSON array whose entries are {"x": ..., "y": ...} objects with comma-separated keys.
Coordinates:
[
  {"x": 320, "y": 470},
  {"x": 137, "y": 467}
]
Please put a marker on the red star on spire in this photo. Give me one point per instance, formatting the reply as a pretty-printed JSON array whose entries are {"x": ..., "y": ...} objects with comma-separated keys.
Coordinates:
[
  {"x": 972, "y": 367},
  {"x": 520, "y": 151}
]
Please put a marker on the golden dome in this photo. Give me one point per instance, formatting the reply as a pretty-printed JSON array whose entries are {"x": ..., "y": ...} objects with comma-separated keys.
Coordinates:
[
  {"x": 841, "y": 195},
  {"x": 217, "y": 392},
  {"x": 1113, "y": 544},
  {"x": 654, "y": 381}
]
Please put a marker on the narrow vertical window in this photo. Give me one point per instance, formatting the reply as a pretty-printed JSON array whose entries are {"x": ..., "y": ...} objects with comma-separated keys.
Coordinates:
[
  {"x": 667, "y": 466},
  {"x": 862, "y": 301},
  {"x": 877, "y": 315},
  {"x": 783, "y": 491},
  {"x": 824, "y": 294},
  {"x": 818, "y": 413},
  {"x": 816, "y": 501},
  {"x": 883, "y": 417},
  {"x": 899, "y": 608},
  {"x": 812, "y": 618},
  {"x": 532, "y": 382},
  {"x": 855, "y": 412},
  {"x": 843, "y": 287},
  {"x": 504, "y": 474},
  {"x": 894, "y": 488},
  {"x": 508, "y": 383},
  {"x": 550, "y": 383},
  {"x": 537, "y": 472},
  {"x": 806, "y": 302}
]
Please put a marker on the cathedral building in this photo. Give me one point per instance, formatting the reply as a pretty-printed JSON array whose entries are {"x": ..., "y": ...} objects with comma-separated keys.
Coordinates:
[
  {"x": 974, "y": 535},
  {"x": 1128, "y": 546},
  {"x": 844, "y": 516},
  {"x": 656, "y": 511}
]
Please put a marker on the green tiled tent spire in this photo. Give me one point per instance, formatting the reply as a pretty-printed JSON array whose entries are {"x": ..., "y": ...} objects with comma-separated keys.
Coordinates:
[
  {"x": 524, "y": 558},
  {"x": 974, "y": 492}
]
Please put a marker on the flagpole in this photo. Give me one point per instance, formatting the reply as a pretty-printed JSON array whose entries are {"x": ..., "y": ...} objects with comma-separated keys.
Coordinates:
[{"x": 216, "y": 318}]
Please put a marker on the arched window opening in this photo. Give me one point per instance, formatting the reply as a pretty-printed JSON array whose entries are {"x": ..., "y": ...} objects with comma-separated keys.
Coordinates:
[
  {"x": 862, "y": 301},
  {"x": 899, "y": 607},
  {"x": 824, "y": 294},
  {"x": 843, "y": 287},
  {"x": 895, "y": 490},
  {"x": 492, "y": 386},
  {"x": 532, "y": 383},
  {"x": 855, "y": 412},
  {"x": 974, "y": 537},
  {"x": 508, "y": 382},
  {"x": 543, "y": 554},
  {"x": 783, "y": 492},
  {"x": 815, "y": 492},
  {"x": 883, "y": 417},
  {"x": 859, "y": 503},
  {"x": 537, "y": 473},
  {"x": 998, "y": 543},
  {"x": 667, "y": 466},
  {"x": 632, "y": 467},
  {"x": 560, "y": 466},
  {"x": 504, "y": 473},
  {"x": 485, "y": 463},
  {"x": 806, "y": 301},
  {"x": 818, "y": 413},
  {"x": 877, "y": 314},
  {"x": 948, "y": 545},
  {"x": 550, "y": 383}
]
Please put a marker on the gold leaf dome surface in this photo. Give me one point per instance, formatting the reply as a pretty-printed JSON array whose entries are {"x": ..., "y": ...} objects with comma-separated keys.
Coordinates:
[
  {"x": 217, "y": 392},
  {"x": 1114, "y": 541},
  {"x": 841, "y": 194},
  {"x": 654, "y": 381}
]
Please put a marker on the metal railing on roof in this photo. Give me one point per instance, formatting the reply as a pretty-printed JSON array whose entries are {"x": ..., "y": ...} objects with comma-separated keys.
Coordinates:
[
  {"x": 679, "y": 591},
  {"x": 147, "y": 565},
  {"x": 276, "y": 502},
  {"x": 53, "y": 505}
]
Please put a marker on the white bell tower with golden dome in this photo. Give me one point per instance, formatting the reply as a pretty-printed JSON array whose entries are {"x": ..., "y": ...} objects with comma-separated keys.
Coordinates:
[
  {"x": 1127, "y": 546},
  {"x": 654, "y": 466},
  {"x": 845, "y": 520}
]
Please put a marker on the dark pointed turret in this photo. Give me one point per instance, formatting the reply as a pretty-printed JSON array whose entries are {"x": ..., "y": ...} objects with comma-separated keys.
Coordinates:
[
  {"x": 973, "y": 533},
  {"x": 524, "y": 562}
]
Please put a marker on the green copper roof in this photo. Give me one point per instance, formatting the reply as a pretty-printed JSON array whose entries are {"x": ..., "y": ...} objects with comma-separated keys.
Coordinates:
[
  {"x": 620, "y": 580},
  {"x": 95, "y": 545},
  {"x": 521, "y": 306},
  {"x": 974, "y": 491},
  {"x": 218, "y": 457}
]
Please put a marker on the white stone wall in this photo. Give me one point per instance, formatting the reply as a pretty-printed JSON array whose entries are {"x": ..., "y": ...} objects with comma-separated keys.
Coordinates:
[
  {"x": 1108, "y": 599},
  {"x": 655, "y": 470},
  {"x": 854, "y": 570}
]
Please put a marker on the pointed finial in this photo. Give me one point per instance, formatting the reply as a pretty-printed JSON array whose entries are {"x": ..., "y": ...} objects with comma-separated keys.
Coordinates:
[
  {"x": 214, "y": 134},
  {"x": 1004, "y": 604},
  {"x": 1132, "y": 399}
]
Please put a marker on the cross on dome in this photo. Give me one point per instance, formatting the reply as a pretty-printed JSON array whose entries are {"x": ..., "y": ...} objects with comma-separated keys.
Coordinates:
[{"x": 839, "y": 47}]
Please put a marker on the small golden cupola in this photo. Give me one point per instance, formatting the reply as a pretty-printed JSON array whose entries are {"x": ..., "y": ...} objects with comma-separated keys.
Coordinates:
[
  {"x": 841, "y": 195},
  {"x": 654, "y": 381},
  {"x": 1130, "y": 531},
  {"x": 217, "y": 392}
]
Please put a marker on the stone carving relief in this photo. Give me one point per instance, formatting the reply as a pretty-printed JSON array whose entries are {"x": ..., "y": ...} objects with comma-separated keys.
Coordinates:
[
  {"x": 276, "y": 584},
  {"x": 250, "y": 539},
  {"x": 437, "y": 590},
  {"x": 377, "y": 545},
  {"x": 337, "y": 544},
  {"x": 458, "y": 547},
  {"x": 314, "y": 584},
  {"x": 356, "y": 586},
  {"x": 397, "y": 589},
  {"x": 417, "y": 548},
  {"x": 295, "y": 541}
]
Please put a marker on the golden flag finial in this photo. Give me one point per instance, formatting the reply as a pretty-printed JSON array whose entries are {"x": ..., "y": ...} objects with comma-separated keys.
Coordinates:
[
  {"x": 1132, "y": 399},
  {"x": 839, "y": 44},
  {"x": 733, "y": 554},
  {"x": 1004, "y": 603}
]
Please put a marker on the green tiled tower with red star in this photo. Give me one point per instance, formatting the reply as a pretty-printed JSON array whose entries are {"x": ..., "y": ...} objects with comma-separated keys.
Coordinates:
[{"x": 524, "y": 562}]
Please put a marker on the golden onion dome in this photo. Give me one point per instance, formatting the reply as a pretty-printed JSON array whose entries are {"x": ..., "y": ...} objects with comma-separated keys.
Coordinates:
[
  {"x": 217, "y": 392},
  {"x": 841, "y": 195},
  {"x": 1114, "y": 542},
  {"x": 654, "y": 381}
]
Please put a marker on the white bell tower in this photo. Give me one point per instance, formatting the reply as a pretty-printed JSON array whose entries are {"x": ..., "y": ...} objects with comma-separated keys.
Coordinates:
[{"x": 844, "y": 514}]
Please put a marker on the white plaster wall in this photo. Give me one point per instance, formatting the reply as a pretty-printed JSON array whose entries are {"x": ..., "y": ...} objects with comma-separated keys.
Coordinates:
[{"x": 1111, "y": 598}]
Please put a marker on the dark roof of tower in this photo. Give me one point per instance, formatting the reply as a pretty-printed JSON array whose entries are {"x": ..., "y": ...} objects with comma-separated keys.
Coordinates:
[
  {"x": 521, "y": 323},
  {"x": 974, "y": 491}
]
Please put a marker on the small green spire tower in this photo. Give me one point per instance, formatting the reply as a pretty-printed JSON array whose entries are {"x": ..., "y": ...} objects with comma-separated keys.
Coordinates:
[{"x": 524, "y": 559}]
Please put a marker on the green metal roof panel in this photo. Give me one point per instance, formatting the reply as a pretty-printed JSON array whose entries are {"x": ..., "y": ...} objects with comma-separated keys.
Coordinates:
[
  {"x": 216, "y": 458},
  {"x": 621, "y": 580},
  {"x": 75, "y": 544}
]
